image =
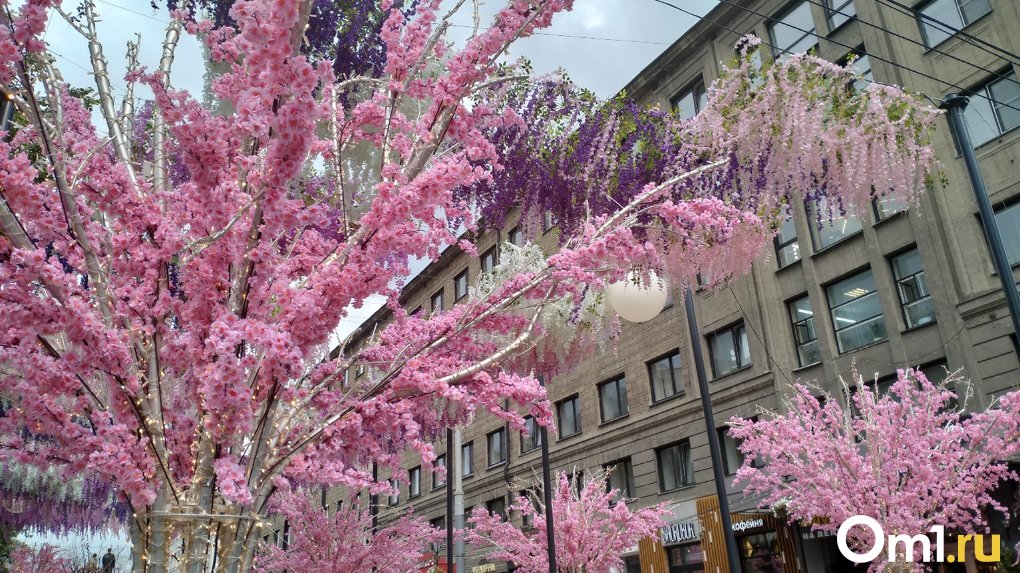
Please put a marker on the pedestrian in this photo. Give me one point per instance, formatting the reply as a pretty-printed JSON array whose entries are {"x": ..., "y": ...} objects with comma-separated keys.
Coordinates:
[
  {"x": 92, "y": 565},
  {"x": 109, "y": 561}
]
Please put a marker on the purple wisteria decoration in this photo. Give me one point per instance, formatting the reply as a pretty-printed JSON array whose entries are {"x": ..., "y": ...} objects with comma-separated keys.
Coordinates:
[
  {"x": 346, "y": 32},
  {"x": 44, "y": 501}
]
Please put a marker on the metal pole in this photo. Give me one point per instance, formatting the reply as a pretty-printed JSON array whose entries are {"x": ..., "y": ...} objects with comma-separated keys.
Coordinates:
[
  {"x": 550, "y": 535},
  {"x": 6, "y": 113},
  {"x": 732, "y": 554},
  {"x": 449, "y": 501},
  {"x": 956, "y": 104},
  {"x": 373, "y": 500},
  {"x": 458, "y": 501}
]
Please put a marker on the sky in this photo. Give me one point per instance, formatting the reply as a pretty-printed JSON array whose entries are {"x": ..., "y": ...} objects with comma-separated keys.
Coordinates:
[{"x": 602, "y": 45}]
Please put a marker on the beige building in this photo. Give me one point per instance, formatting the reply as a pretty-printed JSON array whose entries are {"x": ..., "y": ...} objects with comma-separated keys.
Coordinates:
[{"x": 901, "y": 286}]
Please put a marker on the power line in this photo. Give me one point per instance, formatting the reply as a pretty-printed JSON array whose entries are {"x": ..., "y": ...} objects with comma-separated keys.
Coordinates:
[
  {"x": 915, "y": 42},
  {"x": 848, "y": 47},
  {"x": 142, "y": 14},
  {"x": 629, "y": 41},
  {"x": 943, "y": 27}
]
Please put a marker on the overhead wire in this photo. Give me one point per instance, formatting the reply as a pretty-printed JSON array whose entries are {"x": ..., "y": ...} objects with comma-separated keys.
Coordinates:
[
  {"x": 904, "y": 37},
  {"x": 847, "y": 46},
  {"x": 951, "y": 30}
]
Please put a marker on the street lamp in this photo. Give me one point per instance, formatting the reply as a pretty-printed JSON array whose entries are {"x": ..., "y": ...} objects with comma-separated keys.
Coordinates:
[{"x": 638, "y": 301}]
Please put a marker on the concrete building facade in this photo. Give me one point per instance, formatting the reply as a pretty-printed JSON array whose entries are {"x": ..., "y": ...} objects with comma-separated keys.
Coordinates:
[{"x": 901, "y": 286}]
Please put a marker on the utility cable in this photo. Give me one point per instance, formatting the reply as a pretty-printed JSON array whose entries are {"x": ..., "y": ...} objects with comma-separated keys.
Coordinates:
[
  {"x": 848, "y": 47},
  {"x": 943, "y": 27},
  {"x": 894, "y": 34}
]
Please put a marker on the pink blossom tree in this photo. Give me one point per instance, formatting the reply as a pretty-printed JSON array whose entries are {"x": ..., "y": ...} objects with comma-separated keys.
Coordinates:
[
  {"x": 907, "y": 457},
  {"x": 593, "y": 528},
  {"x": 344, "y": 542},
  {"x": 41, "y": 559},
  {"x": 172, "y": 280}
]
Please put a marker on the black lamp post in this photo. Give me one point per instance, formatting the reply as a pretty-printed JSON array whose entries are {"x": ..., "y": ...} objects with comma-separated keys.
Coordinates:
[{"x": 956, "y": 104}]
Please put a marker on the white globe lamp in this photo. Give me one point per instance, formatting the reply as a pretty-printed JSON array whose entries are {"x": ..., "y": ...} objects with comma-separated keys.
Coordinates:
[{"x": 636, "y": 300}]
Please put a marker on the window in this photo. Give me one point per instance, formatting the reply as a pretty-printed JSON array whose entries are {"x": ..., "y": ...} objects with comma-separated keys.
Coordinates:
[
  {"x": 675, "y": 467},
  {"x": 437, "y": 301},
  {"x": 613, "y": 398},
  {"x": 992, "y": 109},
  {"x": 839, "y": 12},
  {"x": 912, "y": 286},
  {"x": 856, "y": 312},
  {"x": 787, "y": 247},
  {"x": 460, "y": 285},
  {"x": 438, "y": 524},
  {"x": 467, "y": 459},
  {"x": 729, "y": 351},
  {"x": 548, "y": 221},
  {"x": 1008, "y": 221},
  {"x": 414, "y": 482},
  {"x": 359, "y": 371},
  {"x": 804, "y": 335},
  {"x": 497, "y": 506},
  {"x": 951, "y": 15},
  {"x": 569, "y": 411},
  {"x": 395, "y": 495},
  {"x": 489, "y": 260},
  {"x": 733, "y": 458},
  {"x": 830, "y": 226},
  {"x": 861, "y": 65},
  {"x": 665, "y": 376},
  {"x": 691, "y": 101},
  {"x": 888, "y": 205},
  {"x": 497, "y": 447},
  {"x": 439, "y": 478},
  {"x": 531, "y": 495},
  {"x": 531, "y": 437},
  {"x": 286, "y": 535},
  {"x": 516, "y": 237},
  {"x": 793, "y": 32},
  {"x": 416, "y": 311},
  {"x": 621, "y": 478}
]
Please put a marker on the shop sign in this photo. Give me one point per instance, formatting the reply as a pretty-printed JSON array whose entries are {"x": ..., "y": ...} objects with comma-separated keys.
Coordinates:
[
  {"x": 487, "y": 568},
  {"x": 744, "y": 525},
  {"x": 678, "y": 532}
]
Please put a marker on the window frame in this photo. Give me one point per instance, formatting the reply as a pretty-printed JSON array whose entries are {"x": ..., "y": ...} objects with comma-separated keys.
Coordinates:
[
  {"x": 900, "y": 288},
  {"x": 818, "y": 219},
  {"x": 698, "y": 92},
  {"x": 830, "y": 11},
  {"x": 531, "y": 438},
  {"x": 732, "y": 329},
  {"x": 467, "y": 462},
  {"x": 501, "y": 432},
  {"x": 629, "y": 491},
  {"x": 622, "y": 404},
  {"x": 515, "y": 236},
  {"x": 795, "y": 323},
  {"x": 492, "y": 253},
  {"x": 548, "y": 221},
  {"x": 781, "y": 246},
  {"x": 674, "y": 382},
  {"x": 832, "y": 309},
  {"x": 963, "y": 25},
  {"x": 440, "y": 294},
  {"x": 460, "y": 282},
  {"x": 575, "y": 399},
  {"x": 435, "y": 475},
  {"x": 983, "y": 91},
  {"x": 414, "y": 482},
  {"x": 685, "y": 483},
  {"x": 999, "y": 209},
  {"x": 503, "y": 513},
  {"x": 394, "y": 499},
  {"x": 779, "y": 18}
]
